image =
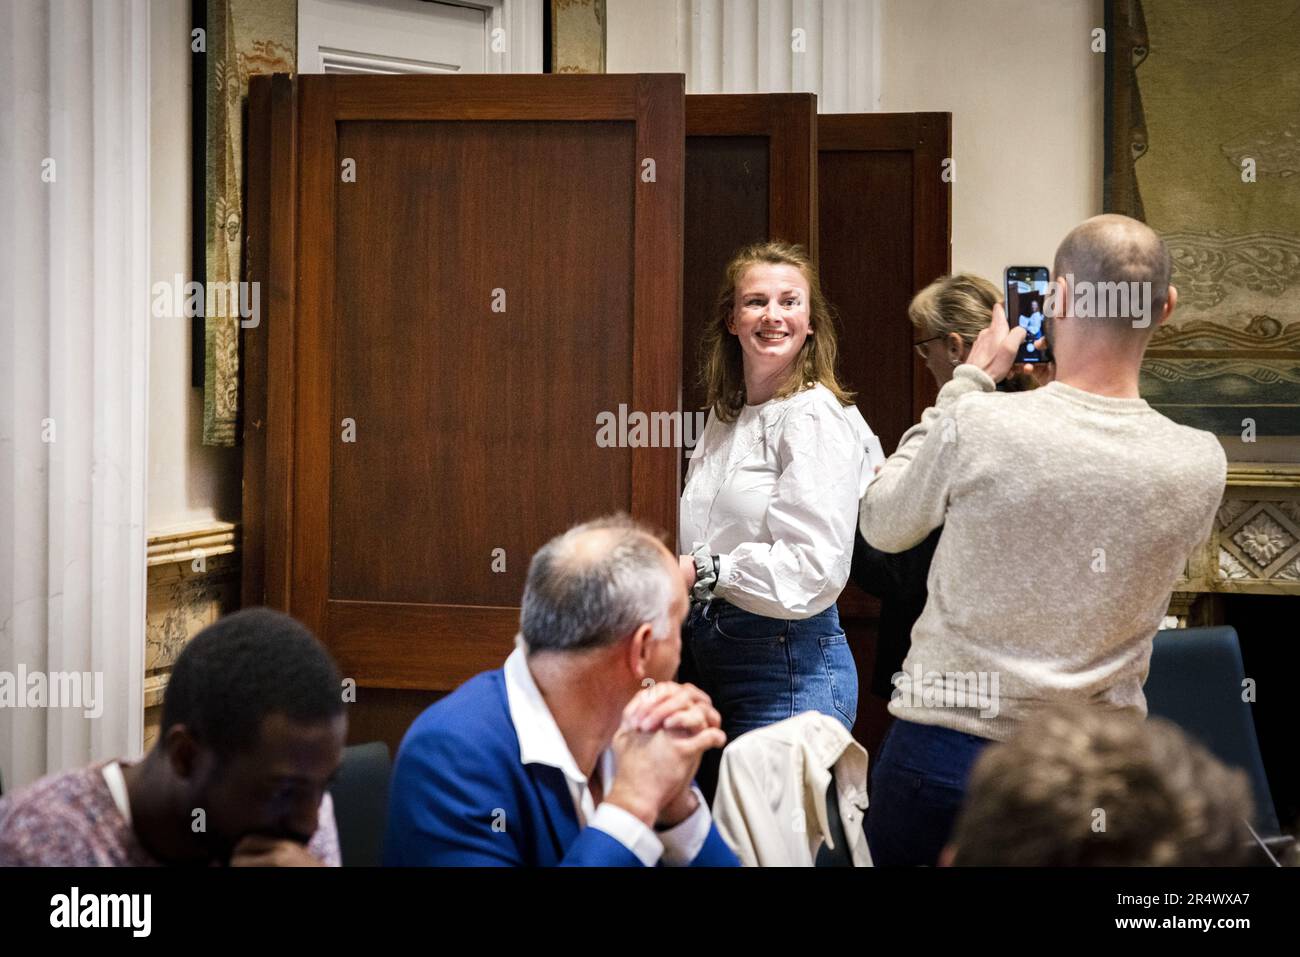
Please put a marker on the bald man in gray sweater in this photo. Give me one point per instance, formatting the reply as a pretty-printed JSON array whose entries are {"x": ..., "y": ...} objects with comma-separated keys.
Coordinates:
[{"x": 1068, "y": 513}]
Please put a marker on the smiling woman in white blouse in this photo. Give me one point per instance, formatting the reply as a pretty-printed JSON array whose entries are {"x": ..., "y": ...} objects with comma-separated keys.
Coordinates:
[{"x": 771, "y": 499}]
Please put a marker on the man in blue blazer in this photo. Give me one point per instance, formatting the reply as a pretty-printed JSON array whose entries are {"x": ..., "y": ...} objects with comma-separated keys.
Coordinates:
[{"x": 580, "y": 750}]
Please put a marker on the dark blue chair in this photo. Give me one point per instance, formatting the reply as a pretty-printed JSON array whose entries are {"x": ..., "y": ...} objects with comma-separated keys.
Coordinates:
[
  {"x": 360, "y": 795},
  {"x": 1196, "y": 682}
]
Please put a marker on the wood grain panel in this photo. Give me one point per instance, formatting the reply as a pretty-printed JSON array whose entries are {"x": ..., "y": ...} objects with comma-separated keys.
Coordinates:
[
  {"x": 480, "y": 407},
  {"x": 750, "y": 176},
  {"x": 885, "y": 227},
  {"x": 430, "y": 647},
  {"x": 866, "y": 267},
  {"x": 267, "y": 357},
  {"x": 657, "y": 269},
  {"x": 727, "y": 199}
]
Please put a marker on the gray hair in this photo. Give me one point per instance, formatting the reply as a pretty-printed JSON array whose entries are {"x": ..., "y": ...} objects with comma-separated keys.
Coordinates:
[{"x": 594, "y": 585}]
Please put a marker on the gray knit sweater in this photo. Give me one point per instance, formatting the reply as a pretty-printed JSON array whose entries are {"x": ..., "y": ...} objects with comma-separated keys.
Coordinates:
[{"x": 1067, "y": 517}]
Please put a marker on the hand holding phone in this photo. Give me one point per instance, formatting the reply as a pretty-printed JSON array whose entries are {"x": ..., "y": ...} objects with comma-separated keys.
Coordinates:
[
  {"x": 996, "y": 347},
  {"x": 1026, "y": 298}
]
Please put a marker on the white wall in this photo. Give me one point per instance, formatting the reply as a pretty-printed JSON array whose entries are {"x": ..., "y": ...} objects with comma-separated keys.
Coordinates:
[
  {"x": 975, "y": 60},
  {"x": 188, "y": 482},
  {"x": 985, "y": 61},
  {"x": 644, "y": 36}
]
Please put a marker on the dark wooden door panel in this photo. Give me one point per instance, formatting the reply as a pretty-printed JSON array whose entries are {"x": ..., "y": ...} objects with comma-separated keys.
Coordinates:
[
  {"x": 866, "y": 221},
  {"x": 750, "y": 176},
  {"x": 479, "y": 407},
  {"x": 437, "y": 441},
  {"x": 885, "y": 234},
  {"x": 727, "y": 208},
  {"x": 386, "y": 645},
  {"x": 270, "y": 244}
]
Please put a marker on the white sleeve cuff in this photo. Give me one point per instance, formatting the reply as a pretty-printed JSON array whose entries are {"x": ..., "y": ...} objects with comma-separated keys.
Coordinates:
[
  {"x": 682, "y": 842},
  {"x": 726, "y": 571},
  {"x": 630, "y": 831}
]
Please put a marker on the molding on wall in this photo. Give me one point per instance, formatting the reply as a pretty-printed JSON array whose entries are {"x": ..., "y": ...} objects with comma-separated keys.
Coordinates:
[
  {"x": 184, "y": 544},
  {"x": 193, "y": 579},
  {"x": 1264, "y": 475}
]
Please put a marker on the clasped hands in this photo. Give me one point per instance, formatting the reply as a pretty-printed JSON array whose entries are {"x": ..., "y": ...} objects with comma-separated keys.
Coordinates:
[{"x": 664, "y": 732}]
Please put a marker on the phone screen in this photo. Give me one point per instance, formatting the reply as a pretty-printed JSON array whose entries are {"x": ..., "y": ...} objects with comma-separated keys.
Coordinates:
[{"x": 1026, "y": 304}]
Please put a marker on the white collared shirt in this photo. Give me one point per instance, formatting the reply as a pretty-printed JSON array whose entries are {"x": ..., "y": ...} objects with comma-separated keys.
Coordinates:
[
  {"x": 541, "y": 742},
  {"x": 775, "y": 496}
]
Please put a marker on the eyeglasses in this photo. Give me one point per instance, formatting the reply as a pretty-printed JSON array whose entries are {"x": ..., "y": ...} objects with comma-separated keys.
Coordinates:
[{"x": 920, "y": 346}]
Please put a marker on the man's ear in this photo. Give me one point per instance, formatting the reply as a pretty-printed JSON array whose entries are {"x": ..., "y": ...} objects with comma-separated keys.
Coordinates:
[
  {"x": 956, "y": 345},
  {"x": 181, "y": 751},
  {"x": 639, "y": 651},
  {"x": 1060, "y": 295},
  {"x": 948, "y": 855},
  {"x": 1171, "y": 300}
]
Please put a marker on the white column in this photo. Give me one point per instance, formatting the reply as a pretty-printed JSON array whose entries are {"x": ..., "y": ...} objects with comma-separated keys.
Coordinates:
[
  {"x": 74, "y": 326},
  {"x": 747, "y": 46}
]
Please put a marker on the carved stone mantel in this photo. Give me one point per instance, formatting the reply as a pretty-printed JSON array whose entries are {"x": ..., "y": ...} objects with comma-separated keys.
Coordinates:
[{"x": 1255, "y": 545}]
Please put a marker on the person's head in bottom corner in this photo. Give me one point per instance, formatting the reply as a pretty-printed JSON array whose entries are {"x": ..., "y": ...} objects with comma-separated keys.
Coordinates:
[
  {"x": 1086, "y": 786},
  {"x": 607, "y": 592},
  {"x": 253, "y": 729}
]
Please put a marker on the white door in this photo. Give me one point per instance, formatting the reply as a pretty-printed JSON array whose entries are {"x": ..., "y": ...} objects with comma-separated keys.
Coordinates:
[{"x": 419, "y": 36}]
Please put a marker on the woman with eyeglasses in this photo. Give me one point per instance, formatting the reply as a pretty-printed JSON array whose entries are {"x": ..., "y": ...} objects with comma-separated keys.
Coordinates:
[{"x": 947, "y": 314}]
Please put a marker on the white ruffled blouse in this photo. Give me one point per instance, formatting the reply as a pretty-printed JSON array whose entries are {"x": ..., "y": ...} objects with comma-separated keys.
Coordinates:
[{"x": 775, "y": 495}]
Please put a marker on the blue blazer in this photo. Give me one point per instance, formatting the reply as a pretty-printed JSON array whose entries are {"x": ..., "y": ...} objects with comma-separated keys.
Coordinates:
[{"x": 461, "y": 797}]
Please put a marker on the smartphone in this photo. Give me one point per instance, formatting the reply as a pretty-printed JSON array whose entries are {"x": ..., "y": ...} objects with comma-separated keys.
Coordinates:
[{"x": 1026, "y": 288}]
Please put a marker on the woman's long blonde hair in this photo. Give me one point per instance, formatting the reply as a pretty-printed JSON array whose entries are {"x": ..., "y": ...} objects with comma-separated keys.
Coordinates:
[{"x": 722, "y": 370}]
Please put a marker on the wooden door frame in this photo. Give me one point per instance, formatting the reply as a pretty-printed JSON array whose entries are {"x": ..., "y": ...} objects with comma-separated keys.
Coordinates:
[{"x": 267, "y": 400}]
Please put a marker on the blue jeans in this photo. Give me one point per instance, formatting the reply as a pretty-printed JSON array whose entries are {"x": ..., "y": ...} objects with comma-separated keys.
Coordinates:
[
  {"x": 759, "y": 671},
  {"x": 918, "y": 781},
  {"x": 762, "y": 670}
]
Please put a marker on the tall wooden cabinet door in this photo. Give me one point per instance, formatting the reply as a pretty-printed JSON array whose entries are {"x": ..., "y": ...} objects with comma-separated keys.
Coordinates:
[
  {"x": 884, "y": 225},
  {"x": 484, "y": 265},
  {"x": 751, "y": 175},
  {"x": 884, "y": 221}
]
